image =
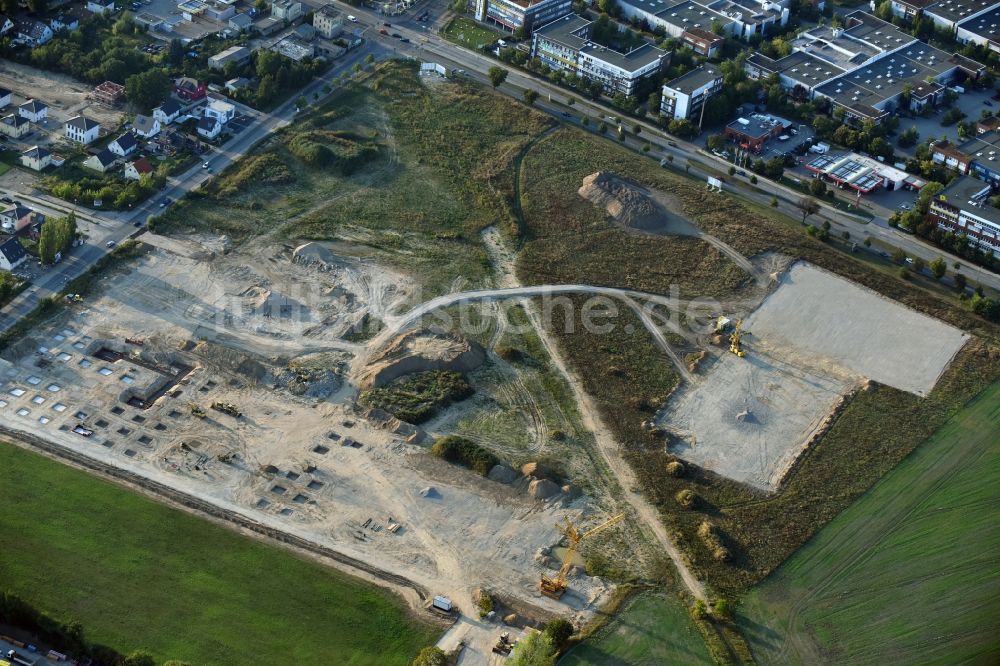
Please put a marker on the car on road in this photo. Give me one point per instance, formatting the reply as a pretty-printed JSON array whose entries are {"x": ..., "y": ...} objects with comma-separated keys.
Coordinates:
[
  {"x": 397, "y": 35},
  {"x": 404, "y": 40},
  {"x": 383, "y": 31},
  {"x": 110, "y": 244},
  {"x": 137, "y": 224},
  {"x": 205, "y": 165},
  {"x": 672, "y": 144},
  {"x": 352, "y": 19},
  {"x": 567, "y": 114},
  {"x": 164, "y": 202},
  {"x": 987, "y": 102},
  {"x": 904, "y": 206},
  {"x": 741, "y": 172}
]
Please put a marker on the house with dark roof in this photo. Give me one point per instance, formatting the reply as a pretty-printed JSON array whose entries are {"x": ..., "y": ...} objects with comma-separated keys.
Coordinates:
[
  {"x": 124, "y": 145},
  {"x": 102, "y": 161},
  {"x": 31, "y": 33},
  {"x": 4, "y": 98},
  {"x": 36, "y": 158},
  {"x": 33, "y": 110},
  {"x": 12, "y": 253},
  {"x": 209, "y": 127},
  {"x": 167, "y": 112},
  {"x": 64, "y": 21},
  {"x": 14, "y": 126},
  {"x": 82, "y": 129},
  {"x": 14, "y": 216},
  {"x": 6, "y": 25}
]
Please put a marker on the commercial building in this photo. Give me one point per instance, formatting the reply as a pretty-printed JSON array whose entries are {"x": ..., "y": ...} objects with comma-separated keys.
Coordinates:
[
  {"x": 676, "y": 18},
  {"x": 963, "y": 208},
  {"x": 947, "y": 14},
  {"x": 752, "y": 132},
  {"x": 982, "y": 30},
  {"x": 751, "y": 17},
  {"x": 527, "y": 14},
  {"x": 287, "y": 10},
  {"x": 240, "y": 55},
  {"x": 328, "y": 21},
  {"x": 565, "y": 45},
  {"x": 685, "y": 96},
  {"x": 861, "y": 174},
  {"x": 82, "y": 129},
  {"x": 799, "y": 72},
  {"x": 702, "y": 42}
]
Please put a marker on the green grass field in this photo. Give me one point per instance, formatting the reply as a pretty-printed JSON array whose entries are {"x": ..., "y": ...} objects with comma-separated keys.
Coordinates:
[
  {"x": 463, "y": 30},
  {"x": 137, "y": 574},
  {"x": 652, "y": 630},
  {"x": 908, "y": 573}
]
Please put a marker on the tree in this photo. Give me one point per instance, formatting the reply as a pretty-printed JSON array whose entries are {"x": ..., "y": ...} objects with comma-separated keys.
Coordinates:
[
  {"x": 147, "y": 90},
  {"x": 431, "y": 656},
  {"x": 559, "y": 630},
  {"x": 960, "y": 281},
  {"x": 898, "y": 256},
  {"x": 636, "y": 129},
  {"x": 530, "y": 96},
  {"x": 938, "y": 268},
  {"x": 918, "y": 264},
  {"x": 817, "y": 187},
  {"x": 808, "y": 206},
  {"x": 533, "y": 650},
  {"x": 9, "y": 7},
  {"x": 716, "y": 142},
  {"x": 497, "y": 75},
  {"x": 721, "y": 609},
  {"x": 175, "y": 53},
  {"x": 38, "y": 6}
]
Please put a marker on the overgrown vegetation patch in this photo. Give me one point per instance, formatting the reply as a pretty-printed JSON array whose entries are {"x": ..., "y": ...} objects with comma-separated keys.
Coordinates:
[
  {"x": 465, "y": 452},
  {"x": 417, "y": 397}
]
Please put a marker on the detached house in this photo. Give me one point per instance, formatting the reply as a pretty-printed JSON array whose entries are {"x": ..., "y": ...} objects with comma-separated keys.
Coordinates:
[
  {"x": 6, "y": 25},
  {"x": 4, "y": 98},
  {"x": 189, "y": 89},
  {"x": 209, "y": 127},
  {"x": 12, "y": 254},
  {"x": 31, "y": 33},
  {"x": 36, "y": 158},
  {"x": 14, "y": 126},
  {"x": 82, "y": 129},
  {"x": 102, "y": 161},
  {"x": 64, "y": 21},
  {"x": 124, "y": 145},
  {"x": 14, "y": 216},
  {"x": 33, "y": 110},
  {"x": 221, "y": 111},
  {"x": 101, "y": 6},
  {"x": 167, "y": 112},
  {"x": 146, "y": 126},
  {"x": 137, "y": 169}
]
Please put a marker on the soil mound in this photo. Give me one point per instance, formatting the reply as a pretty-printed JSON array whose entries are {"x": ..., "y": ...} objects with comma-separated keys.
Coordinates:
[
  {"x": 421, "y": 351},
  {"x": 502, "y": 474},
  {"x": 633, "y": 206},
  {"x": 543, "y": 489},
  {"x": 312, "y": 253}
]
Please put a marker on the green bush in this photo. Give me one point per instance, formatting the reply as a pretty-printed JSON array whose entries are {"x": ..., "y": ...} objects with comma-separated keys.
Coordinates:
[
  {"x": 461, "y": 451},
  {"x": 417, "y": 397}
]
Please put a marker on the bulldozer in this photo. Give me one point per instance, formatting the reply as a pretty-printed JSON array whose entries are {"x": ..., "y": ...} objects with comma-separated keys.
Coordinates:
[
  {"x": 503, "y": 644},
  {"x": 227, "y": 408},
  {"x": 197, "y": 411},
  {"x": 734, "y": 339},
  {"x": 556, "y": 587}
]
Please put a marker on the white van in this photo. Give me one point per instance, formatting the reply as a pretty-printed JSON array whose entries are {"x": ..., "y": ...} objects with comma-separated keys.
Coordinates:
[{"x": 352, "y": 19}]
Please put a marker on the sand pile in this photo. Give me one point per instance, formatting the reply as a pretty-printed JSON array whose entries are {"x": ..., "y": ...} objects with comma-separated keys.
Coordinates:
[
  {"x": 633, "y": 206},
  {"x": 311, "y": 253},
  {"x": 421, "y": 351}
]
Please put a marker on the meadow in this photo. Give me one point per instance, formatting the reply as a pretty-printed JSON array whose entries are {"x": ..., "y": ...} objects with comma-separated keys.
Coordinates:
[
  {"x": 906, "y": 574},
  {"x": 140, "y": 575}
]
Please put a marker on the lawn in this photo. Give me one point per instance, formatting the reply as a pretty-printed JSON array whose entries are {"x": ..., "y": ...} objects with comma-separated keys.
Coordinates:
[
  {"x": 463, "y": 30},
  {"x": 138, "y": 574},
  {"x": 4, "y": 168},
  {"x": 905, "y": 575},
  {"x": 653, "y": 629}
]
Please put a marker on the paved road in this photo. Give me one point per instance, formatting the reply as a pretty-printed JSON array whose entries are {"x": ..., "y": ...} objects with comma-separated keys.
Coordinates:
[{"x": 102, "y": 227}]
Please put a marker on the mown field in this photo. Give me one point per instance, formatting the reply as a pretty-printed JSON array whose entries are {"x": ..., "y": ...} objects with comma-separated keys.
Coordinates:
[
  {"x": 651, "y": 630},
  {"x": 905, "y": 575},
  {"x": 416, "y": 172},
  {"x": 138, "y": 574},
  {"x": 566, "y": 239}
]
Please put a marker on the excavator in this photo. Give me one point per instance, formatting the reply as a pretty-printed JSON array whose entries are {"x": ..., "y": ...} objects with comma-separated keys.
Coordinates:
[
  {"x": 556, "y": 587},
  {"x": 734, "y": 339}
]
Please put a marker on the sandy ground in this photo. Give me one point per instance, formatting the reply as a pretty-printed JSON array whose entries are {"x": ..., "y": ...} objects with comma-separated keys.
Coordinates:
[
  {"x": 823, "y": 315},
  {"x": 312, "y": 467},
  {"x": 65, "y": 95}
]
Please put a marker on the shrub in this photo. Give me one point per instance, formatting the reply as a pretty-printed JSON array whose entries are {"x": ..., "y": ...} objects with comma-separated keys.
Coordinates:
[
  {"x": 675, "y": 468},
  {"x": 465, "y": 452},
  {"x": 709, "y": 535},
  {"x": 559, "y": 630},
  {"x": 417, "y": 397},
  {"x": 510, "y": 354},
  {"x": 686, "y": 498},
  {"x": 485, "y": 604},
  {"x": 431, "y": 656}
]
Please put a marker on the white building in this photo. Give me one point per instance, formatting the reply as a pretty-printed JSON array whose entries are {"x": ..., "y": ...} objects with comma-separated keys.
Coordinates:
[
  {"x": 124, "y": 145},
  {"x": 82, "y": 129},
  {"x": 167, "y": 112},
  {"x": 146, "y": 126},
  {"x": 33, "y": 111},
  {"x": 964, "y": 208},
  {"x": 221, "y": 111},
  {"x": 36, "y": 158},
  {"x": 101, "y": 6},
  {"x": 286, "y": 10},
  {"x": 209, "y": 127},
  {"x": 685, "y": 96},
  {"x": 328, "y": 21}
]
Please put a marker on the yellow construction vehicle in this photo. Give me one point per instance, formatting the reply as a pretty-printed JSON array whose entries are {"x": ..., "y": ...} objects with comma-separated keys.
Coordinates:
[
  {"x": 734, "y": 340},
  {"x": 555, "y": 587}
]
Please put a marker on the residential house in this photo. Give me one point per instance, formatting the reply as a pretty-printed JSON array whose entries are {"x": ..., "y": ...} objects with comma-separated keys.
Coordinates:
[
  {"x": 33, "y": 110},
  {"x": 64, "y": 21},
  {"x": 137, "y": 169},
  {"x": 286, "y": 10},
  {"x": 232, "y": 85},
  {"x": 305, "y": 32},
  {"x": 145, "y": 126},
  {"x": 36, "y": 158},
  {"x": 31, "y": 33},
  {"x": 189, "y": 89},
  {"x": 14, "y": 216},
  {"x": 12, "y": 253},
  {"x": 101, "y": 6},
  {"x": 512, "y": 15},
  {"x": 6, "y": 25},
  {"x": 240, "y": 55},
  {"x": 209, "y": 127},
  {"x": 102, "y": 161},
  {"x": 685, "y": 97},
  {"x": 82, "y": 129},
  {"x": 4, "y": 98},
  {"x": 221, "y": 111},
  {"x": 124, "y": 145},
  {"x": 167, "y": 112},
  {"x": 241, "y": 22},
  {"x": 328, "y": 21},
  {"x": 14, "y": 126}
]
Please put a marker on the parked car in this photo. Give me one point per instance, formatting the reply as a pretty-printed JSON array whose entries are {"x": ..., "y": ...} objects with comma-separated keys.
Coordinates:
[
  {"x": 397, "y": 35},
  {"x": 110, "y": 244},
  {"x": 352, "y": 19}
]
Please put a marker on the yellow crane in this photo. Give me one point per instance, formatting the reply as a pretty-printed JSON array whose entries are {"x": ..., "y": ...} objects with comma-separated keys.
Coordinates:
[
  {"x": 734, "y": 340},
  {"x": 555, "y": 587}
]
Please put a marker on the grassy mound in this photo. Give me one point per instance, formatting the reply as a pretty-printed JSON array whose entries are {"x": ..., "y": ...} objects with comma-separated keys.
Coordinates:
[
  {"x": 465, "y": 452},
  {"x": 417, "y": 397}
]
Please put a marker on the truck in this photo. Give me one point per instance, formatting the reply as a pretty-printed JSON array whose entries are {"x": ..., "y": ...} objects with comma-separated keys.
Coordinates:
[
  {"x": 442, "y": 604},
  {"x": 820, "y": 148}
]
